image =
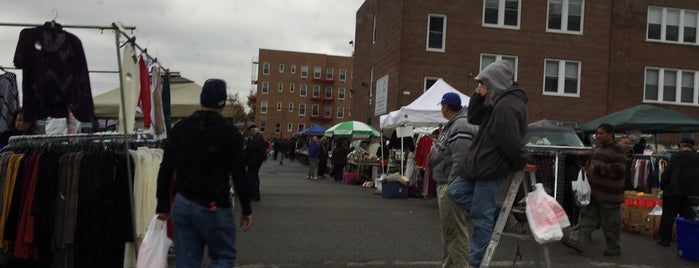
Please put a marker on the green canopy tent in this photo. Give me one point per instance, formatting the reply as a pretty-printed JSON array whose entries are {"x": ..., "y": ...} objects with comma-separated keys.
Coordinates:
[{"x": 647, "y": 119}]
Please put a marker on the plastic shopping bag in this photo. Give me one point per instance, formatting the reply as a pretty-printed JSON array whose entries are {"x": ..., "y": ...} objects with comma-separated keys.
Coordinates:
[
  {"x": 582, "y": 190},
  {"x": 154, "y": 247},
  {"x": 545, "y": 224}
]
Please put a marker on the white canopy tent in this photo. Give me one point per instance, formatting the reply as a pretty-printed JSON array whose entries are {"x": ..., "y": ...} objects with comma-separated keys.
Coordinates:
[{"x": 424, "y": 111}]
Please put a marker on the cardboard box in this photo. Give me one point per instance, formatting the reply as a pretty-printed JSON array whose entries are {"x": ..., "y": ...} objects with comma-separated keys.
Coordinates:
[
  {"x": 630, "y": 193},
  {"x": 638, "y": 214},
  {"x": 655, "y": 192},
  {"x": 625, "y": 213},
  {"x": 648, "y": 226}
]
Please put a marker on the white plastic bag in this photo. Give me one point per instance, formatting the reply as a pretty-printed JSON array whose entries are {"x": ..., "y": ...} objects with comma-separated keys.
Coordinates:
[
  {"x": 545, "y": 216},
  {"x": 154, "y": 247},
  {"x": 582, "y": 190}
]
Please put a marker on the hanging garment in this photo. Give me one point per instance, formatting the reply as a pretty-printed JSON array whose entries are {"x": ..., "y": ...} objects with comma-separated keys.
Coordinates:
[
  {"x": 9, "y": 99},
  {"x": 166, "y": 102},
  {"x": 55, "y": 77},
  {"x": 158, "y": 127},
  {"x": 424, "y": 145},
  {"x": 131, "y": 83},
  {"x": 144, "y": 97}
]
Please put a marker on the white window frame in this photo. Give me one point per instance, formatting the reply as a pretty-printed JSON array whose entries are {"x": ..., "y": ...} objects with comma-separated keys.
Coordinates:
[
  {"x": 340, "y": 112},
  {"x": 327, "y": 111},
  {"x": 263, "y": 107},
  {"x": 565, "y": 15},
  {"x": 280, "y": 87},
  {"x": 316, "y": 91},
  {"x": 290, "y": 127},
  {"x": 678, "y": 86},
  {"x": 329, "y": 73},
  {"x": 304, "y": 71},
  {"x": 279, "y": 106},
  {"x": 664, "y": 23},
  {"x": 328, "y": 92},
  {"x": 315, "y": 110},
  {"x": 373, "y": 31},
  {"x": 265, "y": 68},
  {"x": 501, "y": 15},
  {"x": 303, "y": 90},
  {"x": 428, "y": 78},
  {"x": 444, "y": 33},
  {"x": 263, "y": 126},
  {"x": 292, "y": 87},
  {"x": 302, "y": 109},
  {"x": 277, "y": 128},
  {"x": 341, "y": 93},
  {"x": 342, "y": 75},
  {"x": 293, "y": 69},
  {"x": 561, "y": 78},
  {"x": 500, "y": 57},
  {"x": 281, "y": 68},
  {"x": 265, "y": 87},
  {"x": 317, "y": 72},
  {"x": 301, "y": 127},
  {"x": 291, "y": 107}
]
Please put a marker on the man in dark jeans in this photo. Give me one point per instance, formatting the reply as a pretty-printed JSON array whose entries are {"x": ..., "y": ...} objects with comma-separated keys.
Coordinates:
[{"x": 256, "y": 150}]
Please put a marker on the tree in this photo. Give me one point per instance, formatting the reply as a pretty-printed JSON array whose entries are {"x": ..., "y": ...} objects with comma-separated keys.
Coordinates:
[
  {"x": 252, "y": 104},
  {"x": 238, "y": 108}
]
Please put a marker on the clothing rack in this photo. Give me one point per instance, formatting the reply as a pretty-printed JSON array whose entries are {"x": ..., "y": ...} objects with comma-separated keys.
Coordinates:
[
  {"x": 555, "y": 150},
  {"x": 100, "y": 136}
]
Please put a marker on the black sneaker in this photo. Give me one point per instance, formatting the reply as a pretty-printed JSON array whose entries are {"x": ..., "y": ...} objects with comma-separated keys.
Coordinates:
[
  {"x": 664, "y": 243},
  {"x": 572, "y": 245}
]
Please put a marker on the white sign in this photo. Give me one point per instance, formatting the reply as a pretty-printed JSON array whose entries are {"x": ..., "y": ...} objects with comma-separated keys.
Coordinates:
[{"x": 381, "y": 96}]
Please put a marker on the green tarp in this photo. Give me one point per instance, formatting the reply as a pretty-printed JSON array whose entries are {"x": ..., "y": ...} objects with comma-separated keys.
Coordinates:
[{"x": 647, "y": 119}]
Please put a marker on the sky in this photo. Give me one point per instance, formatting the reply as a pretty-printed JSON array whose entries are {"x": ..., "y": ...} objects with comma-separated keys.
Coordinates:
[{"x": 201, "y": 39}]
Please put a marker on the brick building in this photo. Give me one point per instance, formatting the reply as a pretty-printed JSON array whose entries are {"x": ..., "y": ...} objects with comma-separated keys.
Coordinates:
[
  {"x": 577, "y": 59},
  {"x": 296, "y": 90}
]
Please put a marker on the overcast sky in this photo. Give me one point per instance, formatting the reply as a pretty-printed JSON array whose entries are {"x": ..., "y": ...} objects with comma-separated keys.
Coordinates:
[{"x": 201, "y": 39}]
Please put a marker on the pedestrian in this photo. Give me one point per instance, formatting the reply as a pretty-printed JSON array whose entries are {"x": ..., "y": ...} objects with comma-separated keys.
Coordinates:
[
  {"x": 291, "y": 147},
  {"x": 312, "y": 153},
  {"x": 281, "y": 150},
  {"x": 18, "y": 127},
  {"x": 322, "y": 157},
  {"x": 444, "y": 157},
  {"x": 204, "y": 149},
  {"x": 275, "y": 148},
  {"x": 256, "y": 151},
  {"x": 339, "y": 160},
  {"x": 640, "y": 146},
  {"x": 678, "y": 181},
  {"x": 499, "y": 107},
  {"x": 604, "y": 171}
]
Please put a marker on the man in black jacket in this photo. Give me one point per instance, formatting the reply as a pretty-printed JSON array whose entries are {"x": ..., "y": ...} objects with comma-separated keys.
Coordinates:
[
  {"x": 204, "y": 150},
  {"x": 256, "y": 150},
  {"x": 678, "y": 182}
]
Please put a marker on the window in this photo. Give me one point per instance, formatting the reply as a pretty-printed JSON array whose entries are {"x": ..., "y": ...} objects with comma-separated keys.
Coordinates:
[
  {"x": 315, "y": 110},
  {"x": 671, "y": 86},
  {"x": 561, "y": 78},
  {"x": 316, "y": 91},
  {"x": 290, "y": 127},
  {"x": 373, "y": 32},
  {"x": 293, "y": 69},
  {"x": 565, "y": 15},
  {"x": 265, "y": 87},
  {"x": 328, "y": 92},
  {"x": 301, "y": 127},
  {"x": 302, "y": 110},
  {"x": 672, "y": 25},
  {"x": 304, "y": 72},
  {"x": 316, "y": 72},
  {"x": 292, "y": 87},
  {"x": 280, "y": 87},
  {"x": 340, "y": 112},
  {"x": 487, "y": 59},
  {"x": 349, "y": 113},
  {"x": 263, "y": 107},
  {"x": 340, "y": 93},
  {"x": 429, "y": 81},
  {"x": 303, "y": 90},
  {"x": 263, "y": 126},
  {"x": 436, "y": 32},
  {"x": 328, "y": 113},
  {"x": 329, "y": 74},
  {"x": 501, "y": 13},
  {"x": 281, "y": 67},
  {"x": 343, "y": 75},
  {"x": 291, "y": 106},
  {"x": 277, "y": 128},
  {"x": 265, "y": 68},
  {"x": 279, "y": 106}
]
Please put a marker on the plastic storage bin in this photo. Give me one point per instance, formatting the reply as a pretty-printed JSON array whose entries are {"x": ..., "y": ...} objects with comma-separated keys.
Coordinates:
[{"x": 687, "y": 239}]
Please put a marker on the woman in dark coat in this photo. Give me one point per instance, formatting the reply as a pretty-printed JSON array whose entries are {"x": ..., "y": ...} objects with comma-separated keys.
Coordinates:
[
  {"x": 339, "y": 160},
  {"x": 322, "y": 157}
]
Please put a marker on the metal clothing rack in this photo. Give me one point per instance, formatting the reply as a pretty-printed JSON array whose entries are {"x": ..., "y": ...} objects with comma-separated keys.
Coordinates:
[{"x": 556, "y": 150}]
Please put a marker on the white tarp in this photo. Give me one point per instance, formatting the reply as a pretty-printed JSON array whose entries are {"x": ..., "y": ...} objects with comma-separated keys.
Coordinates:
[{"x": 425, "y": 111}]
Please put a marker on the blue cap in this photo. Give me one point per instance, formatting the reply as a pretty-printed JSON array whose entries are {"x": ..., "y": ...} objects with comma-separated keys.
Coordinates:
[
  {"x": 451, "y": 100},
  {"x": 213, "y": 94}
]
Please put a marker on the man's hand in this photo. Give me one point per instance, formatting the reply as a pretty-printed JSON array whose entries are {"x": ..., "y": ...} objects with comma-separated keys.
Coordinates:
[
  {"x": 163, "y": 216},
  {"x": 245, "y": 222}
]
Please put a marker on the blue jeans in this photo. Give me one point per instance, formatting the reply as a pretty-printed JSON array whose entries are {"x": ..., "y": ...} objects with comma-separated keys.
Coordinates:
[
  {"x": 486, "y": 193},
  {"x": 197, "y": 226}
]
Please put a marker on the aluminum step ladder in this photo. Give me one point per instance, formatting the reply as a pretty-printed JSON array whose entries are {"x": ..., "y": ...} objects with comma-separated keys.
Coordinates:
[{"x": 506, "y": 208}]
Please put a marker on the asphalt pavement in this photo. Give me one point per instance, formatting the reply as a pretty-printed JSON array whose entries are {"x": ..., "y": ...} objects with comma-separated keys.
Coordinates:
[{"x": 321, "y": 223}]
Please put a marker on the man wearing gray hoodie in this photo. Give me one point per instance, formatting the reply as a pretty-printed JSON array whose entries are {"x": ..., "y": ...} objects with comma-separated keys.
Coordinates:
[
  {"x": 446, "y": 153},
  {"x": 499, "y": 107}
]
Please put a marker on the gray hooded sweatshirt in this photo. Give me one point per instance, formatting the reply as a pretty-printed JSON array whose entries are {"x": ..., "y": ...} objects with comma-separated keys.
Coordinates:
[
  {"x": 498, "y": 148},
  {"x": 450, "y": 147}
]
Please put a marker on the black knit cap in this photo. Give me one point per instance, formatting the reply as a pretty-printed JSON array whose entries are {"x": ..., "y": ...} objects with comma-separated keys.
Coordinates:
[{"x": 213, "y": 94}]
